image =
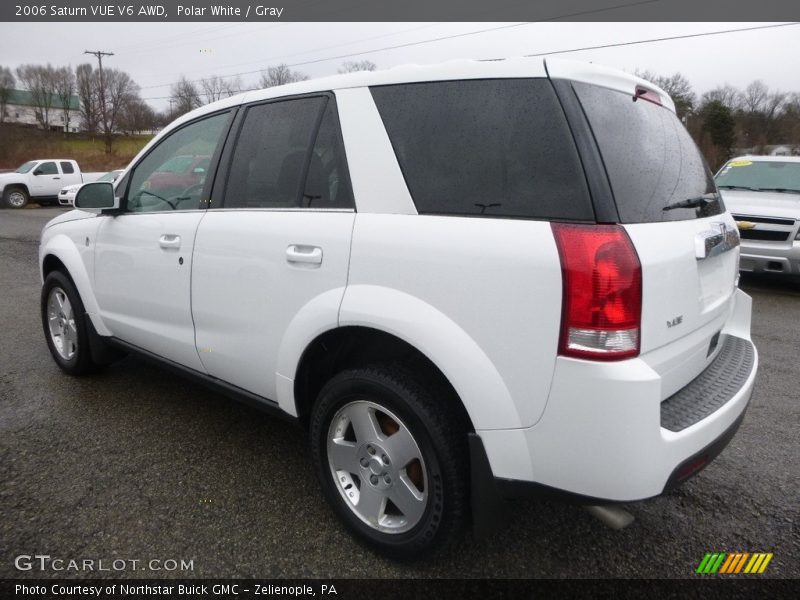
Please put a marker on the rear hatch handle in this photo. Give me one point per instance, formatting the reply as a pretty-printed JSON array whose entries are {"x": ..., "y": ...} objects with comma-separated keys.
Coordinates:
[{"x": 719, "y": 238}]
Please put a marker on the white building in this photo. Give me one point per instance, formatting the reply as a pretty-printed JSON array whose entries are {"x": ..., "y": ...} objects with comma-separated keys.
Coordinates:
[{"x": 22, "y": 109}]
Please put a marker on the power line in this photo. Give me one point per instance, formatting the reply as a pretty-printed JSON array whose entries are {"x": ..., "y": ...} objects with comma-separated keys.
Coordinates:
[
  {"x": 309, "y": 62},
  {"x": 251, "y": 62},
  {"x": 550, "y": 52},
  {"x": 662, "y": 39},
  {"x": 427, "y": 41},
  {"x": 178, "y": 42}
]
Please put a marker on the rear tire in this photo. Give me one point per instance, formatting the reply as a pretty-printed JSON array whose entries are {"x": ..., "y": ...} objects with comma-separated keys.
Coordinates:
[
  {"x": 391, "y": 455},
  {"x": 16, "y": 197},
  {"x": 65, "y": 325}
]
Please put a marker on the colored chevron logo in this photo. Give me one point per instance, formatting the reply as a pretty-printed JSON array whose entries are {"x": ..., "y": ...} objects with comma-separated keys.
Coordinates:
[{"x": 734, "y": 563}]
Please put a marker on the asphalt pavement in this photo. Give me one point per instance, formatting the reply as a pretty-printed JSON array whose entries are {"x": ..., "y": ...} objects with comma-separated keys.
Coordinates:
[{"x": 136, "y": 464}]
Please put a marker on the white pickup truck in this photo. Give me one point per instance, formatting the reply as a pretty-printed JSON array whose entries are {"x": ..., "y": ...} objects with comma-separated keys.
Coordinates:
[{"x": 41, "y": 180}]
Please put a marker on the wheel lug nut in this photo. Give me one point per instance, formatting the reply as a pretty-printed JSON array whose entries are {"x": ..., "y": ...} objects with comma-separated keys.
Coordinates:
[
  {"x": 387, "y": 479},
  {"x": 364, "y": 463},
  {"x": 370, "y": 449},
  {"x": 385, "y": 459},
  {"x": 373, "y": 480}
]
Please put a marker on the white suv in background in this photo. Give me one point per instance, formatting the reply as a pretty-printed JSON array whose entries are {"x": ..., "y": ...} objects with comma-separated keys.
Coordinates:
[
  {"x": 763, "y": 194},
  {"x": 471, "y": 281}
]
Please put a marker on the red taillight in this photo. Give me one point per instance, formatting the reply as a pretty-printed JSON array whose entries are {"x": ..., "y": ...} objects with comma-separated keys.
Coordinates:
[{"x": 602, "y": 305}]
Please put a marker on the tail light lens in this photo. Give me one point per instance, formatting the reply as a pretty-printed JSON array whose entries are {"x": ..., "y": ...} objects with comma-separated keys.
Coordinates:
[{"x": 602, "y": 304}]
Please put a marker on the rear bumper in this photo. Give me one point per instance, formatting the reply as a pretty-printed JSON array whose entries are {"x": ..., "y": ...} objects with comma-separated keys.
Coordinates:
[
  {"x": 606, "y": 435},
  {"x": 770, "y": 258},
  {"x": 490, "y": 494}
]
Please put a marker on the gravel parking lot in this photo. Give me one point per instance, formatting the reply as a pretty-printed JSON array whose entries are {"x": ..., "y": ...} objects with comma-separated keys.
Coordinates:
[{"x": 136, "y": 463}]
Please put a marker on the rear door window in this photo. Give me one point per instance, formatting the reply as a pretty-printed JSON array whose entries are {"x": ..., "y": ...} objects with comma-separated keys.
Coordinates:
[
  {"x": 328, "y": 181},
  {"x": 650, "y": 158},
  {"x": 66, "y": 167},
  {"x": 495, "y": 148},
  {"x": 269, "y": 162}
]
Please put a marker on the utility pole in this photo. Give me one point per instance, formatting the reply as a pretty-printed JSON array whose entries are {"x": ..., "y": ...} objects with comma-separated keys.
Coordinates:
[{"x": 104, "y": 115}]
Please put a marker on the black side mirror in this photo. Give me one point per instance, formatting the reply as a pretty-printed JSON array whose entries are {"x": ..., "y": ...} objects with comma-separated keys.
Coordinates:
[
  {"x": 37, "y": 171},
  {"x": 96, "y": 197}
]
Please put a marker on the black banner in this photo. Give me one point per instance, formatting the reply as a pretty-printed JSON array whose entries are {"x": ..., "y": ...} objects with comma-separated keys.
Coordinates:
[
  {"x": 397, "y": 10},
  {"x": 390, "y": 589}
]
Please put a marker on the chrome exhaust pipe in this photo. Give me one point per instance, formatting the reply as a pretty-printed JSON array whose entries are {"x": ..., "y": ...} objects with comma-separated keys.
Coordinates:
[{"x": 613, "y": 516}]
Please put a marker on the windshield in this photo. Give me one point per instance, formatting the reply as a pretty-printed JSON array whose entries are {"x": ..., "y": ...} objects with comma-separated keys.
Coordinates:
[
  {"x": 27, "y": 166},
  {"x": 110, "y": 176},
  {"x": 760, "y": 175}
]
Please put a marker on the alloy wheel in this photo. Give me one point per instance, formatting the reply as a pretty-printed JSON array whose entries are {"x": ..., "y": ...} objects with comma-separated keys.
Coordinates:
[
  {"x": 61, "y": 321},
  {"x": 378, "y": 467}
]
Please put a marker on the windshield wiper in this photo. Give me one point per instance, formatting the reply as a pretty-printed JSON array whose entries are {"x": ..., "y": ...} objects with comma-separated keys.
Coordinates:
[
  {"x": 696, "y": 202},
  {"x": 782, "y": 190},
  {"x": 737, "y": 187}
]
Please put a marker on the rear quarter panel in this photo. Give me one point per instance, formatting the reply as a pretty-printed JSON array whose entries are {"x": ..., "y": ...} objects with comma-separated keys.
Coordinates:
[{"x": 481, "y": 298}]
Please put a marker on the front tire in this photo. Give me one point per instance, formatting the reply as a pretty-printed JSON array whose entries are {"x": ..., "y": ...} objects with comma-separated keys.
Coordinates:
[
  {"x": 391, "y": 456},
  {"x": 16, "y": 198},
  {"x": 65, "y": 325}
]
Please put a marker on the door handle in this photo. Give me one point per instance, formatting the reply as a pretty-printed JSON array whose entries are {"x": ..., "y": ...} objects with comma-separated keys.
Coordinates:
[
  {"x": 169, "y": 240},
  {"x": 56, "y": 177},
  {"x": 311, "y": 255}
]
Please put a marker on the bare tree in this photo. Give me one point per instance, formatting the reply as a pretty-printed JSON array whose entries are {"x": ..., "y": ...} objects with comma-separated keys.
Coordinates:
[
  {"x": 280, "y": 75},
  {"x": 136, "y": 116},
  {"x": 184, "y": 96},
  {"x": 7, "y": 83},
  {"x": 64, "y": 84},
  {"x": 678, "y": 88},
  {"x": 39, "y": 80},
  {"x": 116, "y": 90},
  {"x": 759, "y": 118},
  {"x": 354, "y": 66},
  {"x": 216, "y": 88},
  {"x": 755, "y": 97},
  {"x": 726, "y": 94},
  {"x": 87, "y": 89}
]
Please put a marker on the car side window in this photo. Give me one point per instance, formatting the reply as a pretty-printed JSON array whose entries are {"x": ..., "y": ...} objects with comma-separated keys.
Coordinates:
[
  {"x": 328, "y": 182},
  {"x": 271, "y": 154},
  {"x": 48, "y": 168},
  {"x": 66, "y": 168},
  {"x": 173, "y": 175}
]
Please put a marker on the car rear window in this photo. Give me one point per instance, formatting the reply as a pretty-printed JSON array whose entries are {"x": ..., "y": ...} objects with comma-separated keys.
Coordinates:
[
  {"x": 495, "y": 147},
  {"x": 66, "y": 167},
  {"x": 650, "y": 158}
]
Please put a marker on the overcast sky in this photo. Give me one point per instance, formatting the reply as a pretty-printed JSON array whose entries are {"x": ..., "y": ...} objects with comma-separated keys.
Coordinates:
[{"x": 155, "y": 55}]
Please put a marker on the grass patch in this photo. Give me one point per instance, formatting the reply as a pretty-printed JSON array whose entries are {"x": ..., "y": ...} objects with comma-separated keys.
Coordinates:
[{"x": 21, "y": 144}]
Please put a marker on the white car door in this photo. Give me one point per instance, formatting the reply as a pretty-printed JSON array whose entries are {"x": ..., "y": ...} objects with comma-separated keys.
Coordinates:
[
  {"x": 279, "y": 245},
  {"x": 144, "y": 255},
  {"x": 69, "y": 173},
  {"x": 46, "y": 179}
]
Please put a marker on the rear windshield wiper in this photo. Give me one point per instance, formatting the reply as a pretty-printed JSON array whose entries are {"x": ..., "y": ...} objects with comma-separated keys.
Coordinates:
[{"x": 696, "y": 202}]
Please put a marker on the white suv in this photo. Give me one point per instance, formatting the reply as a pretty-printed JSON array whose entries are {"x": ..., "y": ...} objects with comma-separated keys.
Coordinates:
[{"x": 471, "y": 281}]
